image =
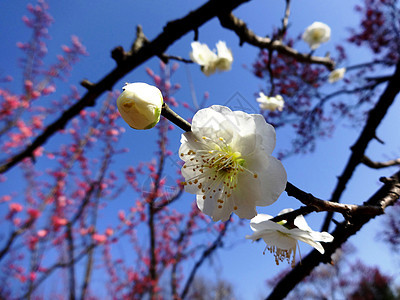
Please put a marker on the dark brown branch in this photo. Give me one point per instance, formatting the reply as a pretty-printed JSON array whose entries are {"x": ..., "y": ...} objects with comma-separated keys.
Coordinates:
[
  {"x": 14, "y": 235},
  {"x": 246, "y": 35},
  {"x": 166, "y": 58},
  {"x": 375, "y": 117},
  {"x": 216, "y": 244},
  {"x": 172, "y": 32},
  {"x": 56, "y": 266},
  {"x": 379, "y": 165},
  {"x": 71, "y": 267},
  {"x": 385, "y": 196},
  {"x": 140, "y": 40}
]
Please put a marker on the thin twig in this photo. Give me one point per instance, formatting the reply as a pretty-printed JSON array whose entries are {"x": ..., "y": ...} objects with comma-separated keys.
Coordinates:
[
  {"x": 217, "y": 243},
  {"x": 71, "y": 267},
  {"x": 379, "y": 165},
  {"x": 285, "y": 21}
]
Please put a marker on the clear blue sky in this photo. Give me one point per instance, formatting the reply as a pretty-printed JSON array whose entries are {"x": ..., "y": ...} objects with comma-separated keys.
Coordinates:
[{"x": 101, "y": 25}]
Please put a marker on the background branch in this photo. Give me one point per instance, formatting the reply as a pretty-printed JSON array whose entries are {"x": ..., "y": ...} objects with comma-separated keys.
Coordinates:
[
  {"x": 235, "y": 24},
  {"x": 385, "y": 196},
  {"x": 379, "y": 165},
  {"x": 375, "y": 117}
]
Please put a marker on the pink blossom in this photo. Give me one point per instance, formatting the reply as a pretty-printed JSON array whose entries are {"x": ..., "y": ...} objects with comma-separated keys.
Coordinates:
[
  {"x": 15, "y": 207},
  {"x": 100, "y": 238}
]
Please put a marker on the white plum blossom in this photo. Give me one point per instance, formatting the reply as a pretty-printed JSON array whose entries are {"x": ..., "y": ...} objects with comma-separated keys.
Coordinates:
[
  {"x": 228, "y": 163},
  {"x": 316, "y": 34},
  {"x": 225, "y": 58},
  {"x": 140, "y": 105},
  {"x": 336, "y": 75},
  {"x": 282, "y": 238},
  {"x": 270, "y": 103},
  {"x": 203, "y": 56},
  {"x": 209, "y": 60}
]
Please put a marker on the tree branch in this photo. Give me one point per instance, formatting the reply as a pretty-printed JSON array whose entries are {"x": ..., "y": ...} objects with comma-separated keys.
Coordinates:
[
  {"x": 375, "y": 117},
  {"x": 172, "y": 32},
  {"x": 217, "y": 243},
  {"x": 379, "y": 165},
  {"x": 235, "y": 24},
  {"x": 385, "y": 196}
]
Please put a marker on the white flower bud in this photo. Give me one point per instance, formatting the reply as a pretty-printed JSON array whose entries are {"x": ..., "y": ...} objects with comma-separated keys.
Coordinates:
[
  {"x": 140, "y": 105},
  {"x": 316, "y": 34},
  {"x": 270, "y": 103},
  {"x": 336, "y": 75}
]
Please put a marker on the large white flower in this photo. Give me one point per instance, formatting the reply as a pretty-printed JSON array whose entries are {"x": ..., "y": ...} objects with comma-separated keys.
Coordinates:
[
  {"x": 316, "y": 34},
  {"x": 270, "y": 103},
  {"x": 209, "y": 60},
  {"x": 282, "y": 238},
  {"x": 228, "y": 163},
  {"x": 140, "y": 105},
  {"x": 336, "y": 75}
]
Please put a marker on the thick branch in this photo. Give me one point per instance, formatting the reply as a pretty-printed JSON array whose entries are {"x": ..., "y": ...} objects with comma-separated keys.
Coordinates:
[
  {"x": 385, "y": 196},
  {"x": 172, "y": 32},
  {"x": 246, "y": 35},
  {"x": 375, "y": 117},
  {"x": 322, "y": 205}
]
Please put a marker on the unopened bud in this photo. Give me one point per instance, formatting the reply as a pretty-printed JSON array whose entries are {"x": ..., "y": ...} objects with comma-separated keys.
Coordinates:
[{"x": 140, "y": 105}]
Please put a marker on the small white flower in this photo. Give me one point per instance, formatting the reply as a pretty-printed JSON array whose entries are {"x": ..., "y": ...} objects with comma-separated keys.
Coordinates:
[
  {"x": 336, "y": 75},
  {"x": 203, "y": 56},
  {"x": 228, "y": 163},
  {"x": 225, "y": 58},
  {"x": 209, "y": 60},
  {"x": 316, "y": 34},
  {"x": 140, "y": 105},
  {"x": 270, "y": 103},
  {"x": 282, "y": 239}
]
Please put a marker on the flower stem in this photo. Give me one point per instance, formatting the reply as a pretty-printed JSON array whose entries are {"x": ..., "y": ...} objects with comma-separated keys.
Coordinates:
[{"x": 172, "y": 116}]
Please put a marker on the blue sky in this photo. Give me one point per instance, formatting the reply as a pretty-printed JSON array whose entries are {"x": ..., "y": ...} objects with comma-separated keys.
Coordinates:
[{"x": 101, "y": 25}]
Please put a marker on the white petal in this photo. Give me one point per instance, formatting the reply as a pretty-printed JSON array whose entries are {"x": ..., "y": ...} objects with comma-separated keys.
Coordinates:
[
  {"x": 321, "y": 236},
  {"x": 272, "y": 177},
  {"x": 267, "y": 132},
  {"x": 312, "y": 243},
  {"x": 281, "y": 241},
  {"x": 202, "y": 55},
  {"x": 190, "y": 142},
  {"x": 308, "y": 237},
  {"x": 300, "y": 222},
  {"x": 285, "y": 211},
  {"x": 212, "y": 123},
  {"x": 268, "y": 226},
  {"x": 208, "y": 204},
  {"x": 260, "y": 218}
]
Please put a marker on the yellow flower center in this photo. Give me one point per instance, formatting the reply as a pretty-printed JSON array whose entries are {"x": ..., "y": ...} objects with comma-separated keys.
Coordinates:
[
  {"x": 220, "y": 166},
  {"x": 317, "y": 35}
]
